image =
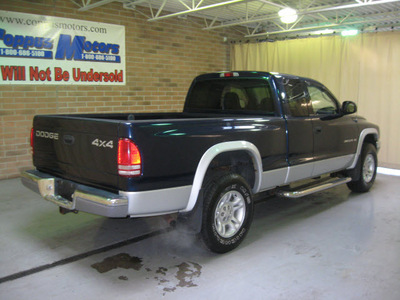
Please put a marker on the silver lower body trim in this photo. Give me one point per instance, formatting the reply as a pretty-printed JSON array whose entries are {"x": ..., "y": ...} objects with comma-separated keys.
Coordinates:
[
  {"x": 103, "y": 203},
  {"x": 284, "y": 176},
  {"x": 157, "y": 202},
  {"x": 333, "y": 164}
]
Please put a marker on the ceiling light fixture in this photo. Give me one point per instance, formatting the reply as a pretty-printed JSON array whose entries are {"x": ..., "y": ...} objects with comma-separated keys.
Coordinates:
[
  {"x": 288, "y": 15},
  {"x": 349, "y": 32},
  {"x": 324, "y": 31}
]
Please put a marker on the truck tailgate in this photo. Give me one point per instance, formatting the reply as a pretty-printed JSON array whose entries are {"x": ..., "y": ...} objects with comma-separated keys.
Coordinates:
[{"x": 80, "y": 149}]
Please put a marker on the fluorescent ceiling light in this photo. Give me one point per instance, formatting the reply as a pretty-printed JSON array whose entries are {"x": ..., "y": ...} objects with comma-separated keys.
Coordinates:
[
  {"x": 288, "y": 15},
  {"x": 349, "y": 32},
  {"x": 325, "y": 31}
]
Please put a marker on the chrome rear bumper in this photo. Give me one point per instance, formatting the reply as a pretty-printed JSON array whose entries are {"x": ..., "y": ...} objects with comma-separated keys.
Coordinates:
[{"x": 82, "y": 197}]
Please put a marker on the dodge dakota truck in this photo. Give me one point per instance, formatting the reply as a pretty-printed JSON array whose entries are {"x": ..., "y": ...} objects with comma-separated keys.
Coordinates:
[{"x": 240, "y": 133}]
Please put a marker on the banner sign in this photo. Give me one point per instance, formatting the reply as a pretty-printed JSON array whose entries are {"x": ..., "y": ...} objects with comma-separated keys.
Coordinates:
[{"x": 38, "y": 49}]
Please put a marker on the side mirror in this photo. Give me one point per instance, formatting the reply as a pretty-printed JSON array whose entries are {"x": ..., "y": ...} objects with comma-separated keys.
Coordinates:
[{"x": 349, "y": 107}]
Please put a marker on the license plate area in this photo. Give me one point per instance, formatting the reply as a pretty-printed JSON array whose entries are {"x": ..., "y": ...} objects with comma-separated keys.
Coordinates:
[{"x": 65, "y": 189}]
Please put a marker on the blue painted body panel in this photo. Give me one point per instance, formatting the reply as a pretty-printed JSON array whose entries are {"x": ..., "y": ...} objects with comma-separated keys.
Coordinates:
[{"x": 172, "y": 144}]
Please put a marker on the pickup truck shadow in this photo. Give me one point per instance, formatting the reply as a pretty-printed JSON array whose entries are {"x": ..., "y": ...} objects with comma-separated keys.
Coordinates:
[
  {"x": 72, "y": 234},
  {"x": 65, "y": 236},
  {"x": 275, "y": 213},
  {"x": 176, "y": 259},
  {"x": 172, "y": 259},
  {"x": 279, "y": 211},
  {"x": 339, "y": 205}
]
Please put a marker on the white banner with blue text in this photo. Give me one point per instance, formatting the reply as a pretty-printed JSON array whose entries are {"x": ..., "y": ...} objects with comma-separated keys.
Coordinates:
[{"x": 37, "y": 49}]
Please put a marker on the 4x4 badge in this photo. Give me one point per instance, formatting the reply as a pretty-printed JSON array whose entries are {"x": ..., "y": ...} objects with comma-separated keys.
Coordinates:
[{"x": 105, "y": 144}]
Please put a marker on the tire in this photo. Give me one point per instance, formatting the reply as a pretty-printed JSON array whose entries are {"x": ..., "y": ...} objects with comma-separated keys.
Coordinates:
[
  {"x": 227, "y": 212},
  {"x": 368, "y": 164}
]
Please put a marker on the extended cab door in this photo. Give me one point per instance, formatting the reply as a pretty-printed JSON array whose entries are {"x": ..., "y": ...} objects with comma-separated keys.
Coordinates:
[
  {"x": 335, "y": 135},
  {"x": 300, "y": 129}
]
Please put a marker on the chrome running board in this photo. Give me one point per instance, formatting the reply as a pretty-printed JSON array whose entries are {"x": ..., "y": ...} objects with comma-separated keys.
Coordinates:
[{"x": 314, "y": 188}]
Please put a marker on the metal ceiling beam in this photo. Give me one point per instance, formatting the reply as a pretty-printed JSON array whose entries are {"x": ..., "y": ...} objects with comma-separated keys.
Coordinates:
[
  {"x": 272, "y": 3},
  {"x": 301, "y": 13},
  {"x": 356, "y": 5},
  {"x": 87, "y": 5},
  {"x": 94, "y": 5},
  {"x": 160, "y": 9},
  {"x": 252, "y": 18},
  {"x": 196, "y": 9},
  {"x": 320, "y": 27}
]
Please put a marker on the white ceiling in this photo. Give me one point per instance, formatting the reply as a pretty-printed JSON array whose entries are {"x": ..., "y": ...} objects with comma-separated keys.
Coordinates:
[{"x": 259, "y": 18}]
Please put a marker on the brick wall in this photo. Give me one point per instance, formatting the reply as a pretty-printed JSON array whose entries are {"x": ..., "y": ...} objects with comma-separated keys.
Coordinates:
[{"x": 161, "y": 60}]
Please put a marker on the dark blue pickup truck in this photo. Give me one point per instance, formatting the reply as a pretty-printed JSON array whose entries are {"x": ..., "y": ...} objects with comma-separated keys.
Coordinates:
[{"x": 240, "y": 133}]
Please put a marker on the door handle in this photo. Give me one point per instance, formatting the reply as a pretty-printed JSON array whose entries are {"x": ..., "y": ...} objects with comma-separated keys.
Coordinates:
[{"x": 317, "y": 129}]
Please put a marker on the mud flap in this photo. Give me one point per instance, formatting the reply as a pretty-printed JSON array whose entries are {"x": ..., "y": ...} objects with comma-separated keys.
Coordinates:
[{"x": 190, "y": 222}]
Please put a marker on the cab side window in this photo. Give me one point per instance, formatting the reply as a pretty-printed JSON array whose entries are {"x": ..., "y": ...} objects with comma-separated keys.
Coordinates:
[
  {"x": 295, "y": 96},
  {"x": 321, "y": 102}
]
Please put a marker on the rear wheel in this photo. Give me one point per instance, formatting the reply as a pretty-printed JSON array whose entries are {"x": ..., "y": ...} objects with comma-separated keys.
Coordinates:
[
  {"x": 368, "y": 165},
  {"x": 228, "y": 212}
]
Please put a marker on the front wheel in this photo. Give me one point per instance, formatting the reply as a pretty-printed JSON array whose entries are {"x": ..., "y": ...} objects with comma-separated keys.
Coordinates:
[
  {"x": 227, "y": 212},
  {"x": 368, "y": 165}
]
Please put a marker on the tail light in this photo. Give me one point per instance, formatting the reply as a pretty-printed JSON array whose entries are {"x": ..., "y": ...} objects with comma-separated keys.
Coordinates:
[
  {"x": 32, "y": 138},
  {"x": 129, "y": 159}
]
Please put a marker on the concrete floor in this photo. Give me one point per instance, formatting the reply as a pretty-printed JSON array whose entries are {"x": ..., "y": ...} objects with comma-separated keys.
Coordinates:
[{"x": 331, "y": 245}]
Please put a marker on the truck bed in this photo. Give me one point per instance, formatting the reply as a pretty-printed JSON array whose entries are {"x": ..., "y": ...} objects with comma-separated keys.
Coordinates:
[{"x": 171, "y": 145}]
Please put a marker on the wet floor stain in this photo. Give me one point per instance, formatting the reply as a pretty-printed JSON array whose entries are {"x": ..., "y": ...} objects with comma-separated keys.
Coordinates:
[
  {"x": 186, "y": 273},
  {"x": 179, "y": 276},
  {"x": 182, "y": 275},
  {"x": 162, "y": 271},
  {"x": 123, "y": 278},
  {"x": 122, "y": 260}
]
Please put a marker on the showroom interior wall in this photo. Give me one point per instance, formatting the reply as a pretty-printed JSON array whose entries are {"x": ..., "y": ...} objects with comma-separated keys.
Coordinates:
[
  {"x": 363, "y": 68},
  {"x": 162, "y": 59}
]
